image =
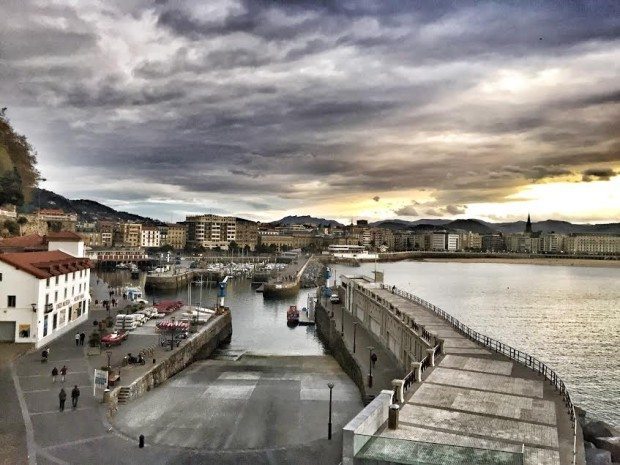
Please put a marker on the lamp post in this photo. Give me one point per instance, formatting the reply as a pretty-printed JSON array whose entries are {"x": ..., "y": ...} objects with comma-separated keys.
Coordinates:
[
  {"x": 173, "y": 331},
  {"x": 370, "y": 349},
  {"x": 354, "y": 334},
  {"x": 329, "y": 424},
  {"x": 342, "y": 320},
  {"x": 109, "y": 354}
]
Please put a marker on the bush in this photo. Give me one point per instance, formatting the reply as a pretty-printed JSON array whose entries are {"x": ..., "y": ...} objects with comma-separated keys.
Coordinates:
[{"x": 95, "y": 339}]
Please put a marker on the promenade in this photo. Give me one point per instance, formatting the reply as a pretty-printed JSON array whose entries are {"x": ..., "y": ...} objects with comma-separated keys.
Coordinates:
[{"x": 474, "y": 397}]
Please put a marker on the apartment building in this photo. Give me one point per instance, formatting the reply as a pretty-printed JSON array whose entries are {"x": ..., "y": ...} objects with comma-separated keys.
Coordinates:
[
  {"x": 247, "y": 233},
  {"x": 592, "y": 244},
  {"x": 210, "y": 231},
  {"x": 174, "y": 235},
  {"x": 150, "y": 237},
  {"x": 128, "y": 234}
]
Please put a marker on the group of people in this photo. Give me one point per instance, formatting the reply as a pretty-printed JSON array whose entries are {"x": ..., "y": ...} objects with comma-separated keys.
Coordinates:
[
  {"x": 79, "y": 339},
  {"x": 62, "y": 397}
]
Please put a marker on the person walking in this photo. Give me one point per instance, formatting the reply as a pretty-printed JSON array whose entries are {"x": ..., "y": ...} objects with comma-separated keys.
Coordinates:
[
  {"x": 373, "y": 357},
  {"x": 77, "y": 339},
  {"x": 82, "y": 338},
  {"x": 62, "y": 396},
  {"x": 75, "y": 393},
  {"x": 63, "y": 373},
  {"x": 54, "y": 374}
]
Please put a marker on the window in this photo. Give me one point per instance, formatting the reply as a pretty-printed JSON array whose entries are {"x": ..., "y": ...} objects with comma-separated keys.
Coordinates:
[
  {"x": 65, "y": 292},
  {"x": 56, "y": 296},
  {"x": 11, "y": 301},
  {"x": 67, "y": 278},
  {"x": 47, "y": 282},
  {"x": 73, "y": 275},
  {"x": 47, "y": 299},
  {"x": 54, "y": 321},
  {"x": 0, "y": 276},
  {"x": 57, "y": 279},
  {"x": 72, "y": 291},
  {"x": 45, "y": 326}
]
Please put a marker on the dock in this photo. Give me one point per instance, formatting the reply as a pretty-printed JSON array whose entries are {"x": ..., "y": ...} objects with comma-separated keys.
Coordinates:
[
  {"x": 287, "y": 282},
  {"x": 461, "y": 394}
]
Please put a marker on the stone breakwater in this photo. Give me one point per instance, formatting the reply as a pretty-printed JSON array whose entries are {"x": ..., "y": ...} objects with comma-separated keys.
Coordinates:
[
  {"x": 314, "y": 275},
  {"x": 601, "y": 440}
]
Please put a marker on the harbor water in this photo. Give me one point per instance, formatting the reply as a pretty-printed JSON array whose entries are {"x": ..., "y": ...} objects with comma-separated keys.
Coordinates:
[{"x": 567, "y": 316}]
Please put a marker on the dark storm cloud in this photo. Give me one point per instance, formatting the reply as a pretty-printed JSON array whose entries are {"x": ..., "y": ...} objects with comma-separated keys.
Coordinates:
[
  {"x": 310, "y": 100},
  {"x": 600, "y": 174}
]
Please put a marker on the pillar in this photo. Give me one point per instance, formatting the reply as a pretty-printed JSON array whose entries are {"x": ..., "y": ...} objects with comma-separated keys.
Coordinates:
[
  {"x": 431, "y": 355},
  {"x": 416, "y": 367},
  {"x": 440, "y": 342},
  {"x": 397, "y": 386}
]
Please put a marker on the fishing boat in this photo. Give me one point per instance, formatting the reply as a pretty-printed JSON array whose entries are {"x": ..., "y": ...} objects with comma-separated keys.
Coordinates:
[{"x": 292, "y": 316}]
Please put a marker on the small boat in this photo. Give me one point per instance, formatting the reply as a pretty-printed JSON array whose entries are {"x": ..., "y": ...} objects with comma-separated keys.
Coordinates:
[
  {"x": 135, "y": 271},
  {"x": 122, "y": 266},
  {"x": 292, "y": 316}
]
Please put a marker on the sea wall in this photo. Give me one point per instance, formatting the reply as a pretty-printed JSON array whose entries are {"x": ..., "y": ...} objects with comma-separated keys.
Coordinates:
[
  {"x": 601, "y": 440},
  {"x": 330, "y": 336},
  {"x": 217, "y": 331}
]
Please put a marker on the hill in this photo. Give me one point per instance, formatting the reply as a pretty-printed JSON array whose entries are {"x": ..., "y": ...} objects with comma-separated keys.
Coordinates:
[
  {"x": 87, "y": 210},
  {"x": 305, "y": 219},
  {"x": 473, "y": 225}
]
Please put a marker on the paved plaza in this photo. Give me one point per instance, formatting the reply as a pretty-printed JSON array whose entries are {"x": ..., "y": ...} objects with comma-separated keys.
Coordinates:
[{"x": 253, "y": 403}]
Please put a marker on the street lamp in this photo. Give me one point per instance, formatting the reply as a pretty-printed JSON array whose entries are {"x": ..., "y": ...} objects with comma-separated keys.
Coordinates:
[
  {"x": 370, "y": 349},
  {"x": 329, "y": 424},
  {"x": 342, "y": 320},
  {"x": 354, "y": 334}
]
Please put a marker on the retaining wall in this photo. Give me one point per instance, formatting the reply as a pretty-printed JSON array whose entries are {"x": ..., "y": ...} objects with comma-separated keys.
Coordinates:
[
  {"x": 332, "y": 339},
  {"x": 198, "y": 347}
]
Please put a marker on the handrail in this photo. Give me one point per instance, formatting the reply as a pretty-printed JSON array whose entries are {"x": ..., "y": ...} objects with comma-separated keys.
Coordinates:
[{"x": 499, "y": 347}]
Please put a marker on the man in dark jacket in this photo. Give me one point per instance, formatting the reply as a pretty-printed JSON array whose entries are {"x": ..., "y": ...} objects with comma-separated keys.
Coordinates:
[
  {"x": 75, "y": 393},
  {"x": 62, "y": 396}
]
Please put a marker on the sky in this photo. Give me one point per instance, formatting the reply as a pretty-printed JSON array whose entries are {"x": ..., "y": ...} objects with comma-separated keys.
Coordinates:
[{"x": 344, "y": 110}]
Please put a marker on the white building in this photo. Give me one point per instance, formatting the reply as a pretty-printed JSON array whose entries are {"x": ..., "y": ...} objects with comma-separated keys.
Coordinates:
[
  {"x": 42, "y": 295},
  {"x": 150, "y": 237}
]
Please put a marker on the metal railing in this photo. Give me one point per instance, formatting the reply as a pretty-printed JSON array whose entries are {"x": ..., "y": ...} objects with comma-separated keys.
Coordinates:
[{"x": 499, "y": 347}]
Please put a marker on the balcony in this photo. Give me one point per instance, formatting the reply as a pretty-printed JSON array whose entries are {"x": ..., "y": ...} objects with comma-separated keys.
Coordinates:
[{"x": 48, "y": 308}]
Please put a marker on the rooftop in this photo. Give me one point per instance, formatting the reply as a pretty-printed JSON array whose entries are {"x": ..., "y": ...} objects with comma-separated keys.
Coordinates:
[{"x": 45, "y": 264}]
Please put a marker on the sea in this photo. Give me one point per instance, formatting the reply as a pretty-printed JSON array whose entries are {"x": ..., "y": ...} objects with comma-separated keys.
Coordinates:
[{"x": 566, "y": 316}]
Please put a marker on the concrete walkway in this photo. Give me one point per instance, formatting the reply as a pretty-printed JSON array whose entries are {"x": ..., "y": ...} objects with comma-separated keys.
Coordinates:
[{"x": 476, "y": 398}]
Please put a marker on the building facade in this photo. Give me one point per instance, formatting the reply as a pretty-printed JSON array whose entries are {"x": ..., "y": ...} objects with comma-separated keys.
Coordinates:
[
  {"x": 128, "y": 234},
  {"x": 176, "y": 236},
  {"x": 210, "y": 231},
  {"x": 150, "y": 237},
  {"x": 592, "y": 244},
  {"x": 42, "y": 295},
  {"x": 247, "y": 233}
]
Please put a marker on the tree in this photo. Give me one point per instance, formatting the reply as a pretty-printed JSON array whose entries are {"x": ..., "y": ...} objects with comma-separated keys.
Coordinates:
[
  {"x": 233, "y": 246},
  {"x": 166, "y": 248},
  {"x": 22, "y": 220}
]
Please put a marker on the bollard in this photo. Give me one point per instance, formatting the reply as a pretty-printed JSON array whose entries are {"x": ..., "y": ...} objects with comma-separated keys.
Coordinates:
[
  {"x": 154, "y": 361},
  {"x": 106, "y": 396},
  {"x": 393, "y": 416},
  {"x": 141, "y": 439}
]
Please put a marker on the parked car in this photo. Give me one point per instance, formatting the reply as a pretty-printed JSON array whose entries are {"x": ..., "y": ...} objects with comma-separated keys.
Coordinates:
[
  {"x": 334, "y": 298},
  {"x": 113, "y": 339}
]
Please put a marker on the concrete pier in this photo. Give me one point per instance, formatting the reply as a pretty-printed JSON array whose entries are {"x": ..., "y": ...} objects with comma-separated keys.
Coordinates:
[
  {"x": 466, "y": 395},
  {"x": 288, "y": 281}
]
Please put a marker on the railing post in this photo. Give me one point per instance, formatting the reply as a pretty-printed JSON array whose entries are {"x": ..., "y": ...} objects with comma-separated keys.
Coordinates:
[
  {"x": 416, "y": 368},
  {"x": 431, "y": 356}
]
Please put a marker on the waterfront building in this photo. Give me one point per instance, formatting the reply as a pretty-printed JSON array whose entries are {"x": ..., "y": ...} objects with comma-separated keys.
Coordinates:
[
  {"x": 443, "y": 240},
  {"x": 247, "y": 233},
  {"x": 493, "y": 243},
  {"x": 470, "y": 241},
  {"x": 44, "y": 287},
  {"x": 286, "y": 242},
  {"x": 210, "y": 231},
  {"x": 150, "y": 237},
  {"x": 174, "y": 235},
  {"x": 91, "y": 238},
  {"x": 552, "y": 242},
  {"x": 592, "y": 244},
  {"x": 382, "y": 237},
  {"x": 523, "y": 242},
  {"x": 128, "y": 234}
]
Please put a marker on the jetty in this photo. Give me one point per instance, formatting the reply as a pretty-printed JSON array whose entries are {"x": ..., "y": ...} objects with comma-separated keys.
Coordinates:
[
  {"x": 454, "y": 393},
  {"x": 287, "y": 281}
]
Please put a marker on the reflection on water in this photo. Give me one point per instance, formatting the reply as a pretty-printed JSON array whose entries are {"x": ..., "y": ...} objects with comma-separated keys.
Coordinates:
[
  {"x": 259, "y": 325},
  {"x": 564, "y": 315}
]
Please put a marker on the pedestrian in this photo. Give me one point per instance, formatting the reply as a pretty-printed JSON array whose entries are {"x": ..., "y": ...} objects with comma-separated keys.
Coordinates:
[
  {"x": 54, "y": 374},
  {"x": 63, "y": 373},
  {"x": 373, "y": 357},
  {"x": 75, "y": 393},
  {"x": 44, "y": 355},
  {"x": 77, "y": 339},
  {"x": 82, "y": 338},
  {"x": 62, "y": 396}
]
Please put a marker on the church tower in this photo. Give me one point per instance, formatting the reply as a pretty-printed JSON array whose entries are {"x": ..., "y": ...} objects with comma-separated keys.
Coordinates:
[{"x": 528, "y": 225}]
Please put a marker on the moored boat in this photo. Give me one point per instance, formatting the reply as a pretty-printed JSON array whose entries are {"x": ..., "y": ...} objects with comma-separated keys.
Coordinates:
[{"x": 292, "y": 316}]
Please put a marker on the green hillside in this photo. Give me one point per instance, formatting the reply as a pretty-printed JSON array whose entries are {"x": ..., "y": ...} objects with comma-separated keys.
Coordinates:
[{"x": 18, "y": 173}]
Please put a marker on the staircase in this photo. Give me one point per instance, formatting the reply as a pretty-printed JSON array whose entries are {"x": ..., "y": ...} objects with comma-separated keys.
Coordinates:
[{"x": 124, "y": 395}]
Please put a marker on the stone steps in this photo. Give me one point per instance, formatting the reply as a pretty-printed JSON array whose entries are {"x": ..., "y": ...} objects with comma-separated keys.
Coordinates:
[{"x": 124, "y": 395}]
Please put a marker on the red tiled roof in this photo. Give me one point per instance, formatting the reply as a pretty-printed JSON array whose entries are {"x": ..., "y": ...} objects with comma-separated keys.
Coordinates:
[
  {"x": 64, "y": 236},
  {"x": 23, "y": 241},
  {"x": 45, "y": 264}
]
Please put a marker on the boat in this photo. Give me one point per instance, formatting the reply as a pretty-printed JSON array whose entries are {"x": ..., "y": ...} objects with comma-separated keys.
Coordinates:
[
  {"x": 132, "y": 293},
  {"x": 122, "y": 266},
  {"x": 292, "y": 316},
  {"x": 135, "y": 271}
]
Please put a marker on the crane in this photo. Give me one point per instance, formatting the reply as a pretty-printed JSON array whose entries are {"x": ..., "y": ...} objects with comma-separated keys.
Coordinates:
[{"x": 221, "y": 293}]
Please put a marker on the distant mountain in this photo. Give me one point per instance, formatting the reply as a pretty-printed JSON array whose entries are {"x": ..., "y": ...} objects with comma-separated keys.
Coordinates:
[
  {"x": 87, "y": 210},
  {"x": 404, "y": 224},
  {"x": 560, "y": 227},
  {"x": 473, "y": 225},
  {"x": 305, "y": 219}
]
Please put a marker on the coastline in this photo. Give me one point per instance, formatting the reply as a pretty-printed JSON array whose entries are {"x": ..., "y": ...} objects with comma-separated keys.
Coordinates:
[{"x": 584, "y": 262}]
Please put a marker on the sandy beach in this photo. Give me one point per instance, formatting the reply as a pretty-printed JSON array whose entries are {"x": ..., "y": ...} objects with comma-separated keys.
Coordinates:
[{"x": 534, "y": 261}]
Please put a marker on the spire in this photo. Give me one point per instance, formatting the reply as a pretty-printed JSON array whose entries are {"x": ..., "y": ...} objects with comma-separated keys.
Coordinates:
[{"x": 528, "y": 225}]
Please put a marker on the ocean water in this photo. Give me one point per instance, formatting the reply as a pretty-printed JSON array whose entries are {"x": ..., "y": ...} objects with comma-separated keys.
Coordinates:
[{"x": 566, "y": 316}]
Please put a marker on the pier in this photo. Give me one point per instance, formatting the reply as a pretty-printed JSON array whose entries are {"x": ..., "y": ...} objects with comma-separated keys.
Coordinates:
[
  {"x": 287, "y": 281},
  {"x": 461, "y": 394}
]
